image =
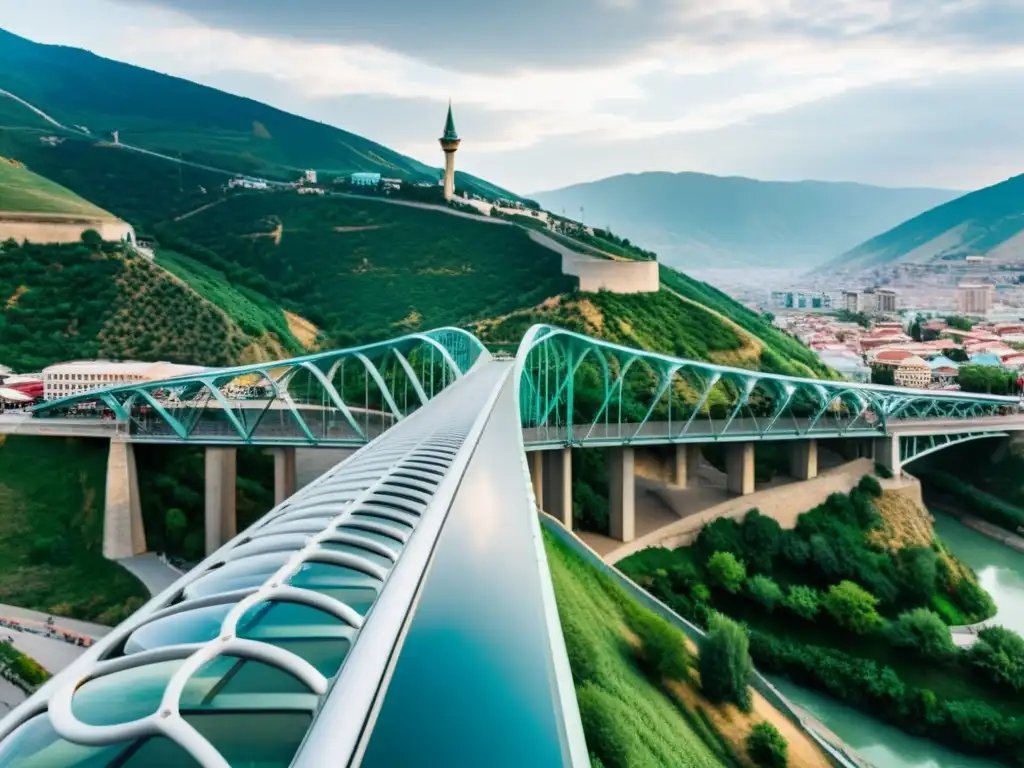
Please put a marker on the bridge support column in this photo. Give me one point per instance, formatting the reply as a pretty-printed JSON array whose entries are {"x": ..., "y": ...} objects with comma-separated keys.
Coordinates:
[
  {"x": 622, "y": 494},
  {"x": 803, "y": 459},
  {"x": 739, "y": 468},
  {"x": 557, "y": 485},
  {"x": 887, "y": 453},
  {"x": 221, "y": 474},
  {"x": 687, "y": 465},
  {"x": 284, "y": 473},
  {"x": 123, "y": 532},
  {"x": 536, "y": 463}
]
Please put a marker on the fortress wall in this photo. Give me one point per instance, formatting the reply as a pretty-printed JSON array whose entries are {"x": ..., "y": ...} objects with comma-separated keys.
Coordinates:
[
  {"x": 615, "y": 276},
  {"x": 60, "y": 229}
]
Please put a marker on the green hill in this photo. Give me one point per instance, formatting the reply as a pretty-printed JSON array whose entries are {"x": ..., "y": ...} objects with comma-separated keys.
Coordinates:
[
  {"x": 987, "y": 222},
  {"x": 173, "y": 116},
  {"x": 698, "y": 220},
  {"x": 22, "y": 191}
]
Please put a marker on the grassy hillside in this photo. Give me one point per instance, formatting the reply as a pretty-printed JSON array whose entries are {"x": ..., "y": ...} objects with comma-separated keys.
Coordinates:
[
  {"x": 686, "y": 318},
  {"x": 983, "y": 222},
  {"x": 62, "y": 302},
  {"x": 693, "y": 219},
  {"x": 362, "y": 268},
  {"x": 22, "y": 191},
  {"x": 204, "y": 125},
  {"x": 51, "y": 531}
]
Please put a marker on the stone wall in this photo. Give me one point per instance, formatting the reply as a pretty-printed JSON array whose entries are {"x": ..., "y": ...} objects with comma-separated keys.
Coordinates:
[
  {"x": 784, "y": 503},
  {"x": 60, "y": 229},
  {"x": 615, "y": 276}
]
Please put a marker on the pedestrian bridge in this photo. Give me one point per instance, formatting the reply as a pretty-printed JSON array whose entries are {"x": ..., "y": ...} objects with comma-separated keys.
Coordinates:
[{"x": 399, "y": 609}]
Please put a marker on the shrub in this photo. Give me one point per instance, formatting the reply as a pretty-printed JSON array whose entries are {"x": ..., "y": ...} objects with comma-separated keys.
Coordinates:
[
  {"x": 762, "y": 537},
  {"x": 805, "y": 602},
  {"x": 725, "y": 665},
  {"x": 917, "y": 573},
  {"x": 794, "y": 549},
  {"x": 870, "y": 486},
  {"x": 766, "y": 747},
  {"x": 975, "y": 600},
  {"x": 721, "y": 535},
  {"x": 663, "y": 647},
  {"x": 882, "y": 471},
  {"x": 923, "y": 631},
  {"x": 852, "y": 607},
  {"x": 726, "y": 571},
  {"x": 999, "y": 656},
  {"x": 765, "y": 591}
]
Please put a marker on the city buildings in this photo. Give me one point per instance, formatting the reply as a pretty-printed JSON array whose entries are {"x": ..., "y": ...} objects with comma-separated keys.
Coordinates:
[
  {"x": 801, "y": 300},
  {"x": 364, "y": 179},
  {"x": 913, "y": 372},
  {"x": 72, "y": 378},
  {"x": 870, "y": 301},
  {"x": 974, "y": 299}
]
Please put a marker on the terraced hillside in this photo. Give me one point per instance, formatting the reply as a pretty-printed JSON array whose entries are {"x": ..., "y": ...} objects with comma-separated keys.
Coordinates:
[{"x": 63, "y": 302}]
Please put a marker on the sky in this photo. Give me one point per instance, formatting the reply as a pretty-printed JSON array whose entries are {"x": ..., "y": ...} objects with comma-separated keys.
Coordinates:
[{"x": 549, "y": 93}]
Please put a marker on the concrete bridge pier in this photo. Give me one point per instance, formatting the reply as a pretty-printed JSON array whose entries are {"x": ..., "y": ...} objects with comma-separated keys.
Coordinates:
[
  {"x": 803, "y": 459},
  {"x": 555, "y": 482},
  {"x": 123, "y": 531},
  {"x": 221, "y": 474},
  {"x": 622, "y": 494},
  {"x": 284, "y": 473},
  {"x": 739, "y": 468},
  {"x": 536, "y": 463},
  {"x": 887, "y": 453},
  {"x": 686, "y": 467}
]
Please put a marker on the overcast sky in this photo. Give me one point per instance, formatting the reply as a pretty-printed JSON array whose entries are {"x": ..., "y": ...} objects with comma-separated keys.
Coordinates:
[{"x": 552, "y": 92}]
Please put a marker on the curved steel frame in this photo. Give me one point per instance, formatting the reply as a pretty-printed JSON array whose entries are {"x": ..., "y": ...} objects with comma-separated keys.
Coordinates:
[
  {"x": 550, "y": 359},
  {"x": 371, "y": 523},
  {"x": 404, "y": 373},
  {"x": 914, "y": 447}
]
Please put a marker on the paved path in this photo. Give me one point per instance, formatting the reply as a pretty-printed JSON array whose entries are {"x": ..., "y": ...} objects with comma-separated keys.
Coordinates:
[
  {"x": 154, "y": 573},
  {"x": 86, "y": 628},
  {"x": 52, "y": 654}
]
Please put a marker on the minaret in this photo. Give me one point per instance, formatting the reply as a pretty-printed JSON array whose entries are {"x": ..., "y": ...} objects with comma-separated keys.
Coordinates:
[{"x": 449, "y": 143}]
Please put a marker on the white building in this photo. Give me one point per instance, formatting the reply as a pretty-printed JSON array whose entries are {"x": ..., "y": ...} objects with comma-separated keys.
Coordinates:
[
  {"x": 309, "y": 177},
  {"x": 247, "y": 183},
  {"x": 974, "y": 299},
  {"x": 74, "y": 378}
]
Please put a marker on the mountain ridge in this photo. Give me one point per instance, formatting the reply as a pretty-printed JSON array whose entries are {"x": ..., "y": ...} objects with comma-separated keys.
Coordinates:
[{"x": 692, "y": 218}]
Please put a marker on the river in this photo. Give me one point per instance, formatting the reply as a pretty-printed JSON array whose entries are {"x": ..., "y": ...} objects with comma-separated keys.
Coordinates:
[{"x": 1001, "y": 572}]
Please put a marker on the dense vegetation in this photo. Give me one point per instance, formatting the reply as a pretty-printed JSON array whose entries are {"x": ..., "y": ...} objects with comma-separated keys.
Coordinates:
[
  {"x": 63, "y": 302},
  {"x": 22, "y": 191},
  {"x": 981, "y": 477},
  {"x": 641, "y": 699},
  {"x": 171, "y": 488},
  {"x": 360, "y": 268},
  {"x": 51, "y": 531},
  {"x": 831, "y": 606}
]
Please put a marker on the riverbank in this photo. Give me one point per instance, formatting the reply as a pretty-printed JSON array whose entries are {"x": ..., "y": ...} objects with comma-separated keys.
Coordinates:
[{"x": 936, "y": 501}]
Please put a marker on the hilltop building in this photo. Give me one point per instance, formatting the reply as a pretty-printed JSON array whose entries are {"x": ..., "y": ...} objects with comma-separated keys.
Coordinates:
[
  {"x": 450, "y": 144},
  {"x": 364, "y": 179}
]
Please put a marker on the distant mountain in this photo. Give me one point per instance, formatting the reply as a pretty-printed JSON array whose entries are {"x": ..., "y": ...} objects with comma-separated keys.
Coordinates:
[
  {"x": 698, "y": 220},
  {"x": 988, "y": 222},
  {"x": 166, "y": 114}
]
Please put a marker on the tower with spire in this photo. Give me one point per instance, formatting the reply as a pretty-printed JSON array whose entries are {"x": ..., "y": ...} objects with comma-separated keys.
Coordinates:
[{"x": 450, "y": 144}]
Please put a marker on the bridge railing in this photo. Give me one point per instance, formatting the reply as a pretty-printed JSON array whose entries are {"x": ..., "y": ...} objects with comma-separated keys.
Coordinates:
[
  {"x": 578, "y": 390},
  {"x": 339, "y": 397}
]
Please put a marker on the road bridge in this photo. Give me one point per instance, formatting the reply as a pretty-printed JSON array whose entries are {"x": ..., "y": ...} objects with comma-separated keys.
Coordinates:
[
  {"x": 311, "y": 637},
  {"x": 317, "y": 636}
]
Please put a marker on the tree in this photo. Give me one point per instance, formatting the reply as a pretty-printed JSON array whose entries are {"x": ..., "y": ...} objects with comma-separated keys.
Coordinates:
[
  {"x": 923, "y": 631},
  {"x": 989, "y": 379},
  {"x": 765, "y": 591},
  {"x": 725, "y": 665},
  {"x": 882, "y": 374},
  {"x": 999, "y": 655},
  {"x": 766, "y": 747},
  {"x": 956, "y": 354},
  {"x": 726, "y": 571},
  {"x": 761, "y": 539},
  {"x": 851, "y": 607},
  {"x": 805, "y": 602},
  {"x": 958, "y": 323},
  {"x": 917, "y": 570},
  {"x": 92, "y": 239},
  {"x": 175, "y": 525}
]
